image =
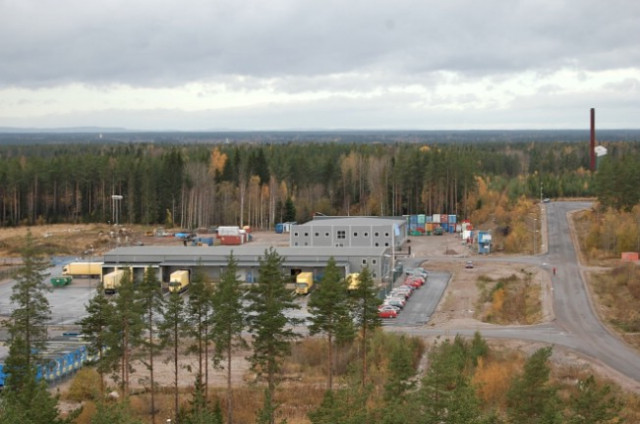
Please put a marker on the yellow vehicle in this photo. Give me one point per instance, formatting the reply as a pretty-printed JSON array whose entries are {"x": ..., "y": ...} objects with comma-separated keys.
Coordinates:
[
  {"x": 353, "y": 281},
  {"x": 77, "y": 269},
  {"x": 179, "y": 281},
  {"x": 304, "y": 283},
  {"x": 111, "y": 281}
]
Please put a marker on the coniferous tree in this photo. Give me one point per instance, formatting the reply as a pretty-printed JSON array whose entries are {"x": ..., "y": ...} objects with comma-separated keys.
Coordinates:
[
  {"x": 330, "y": 312},
  {"x": 593, "y": 404},
  {"x": 198, "y": 311},
  {"x": 269, "y": 325},
  {"x": 228, "y": 322},
  {"x": 95, "y": 326},
  {"x": 365, "y": 304},
  {"x": 110, "y": 413},
  {"x": 532, "y": 398},
  {"x": 151, "y": 303},
  {"x": 125, "y": 329},
  {"x": 23, "y": 398},
  {"x": 401, "y": 371},
  {"x": 27, "y": 325},
  {"x": 171, "y": 331}
]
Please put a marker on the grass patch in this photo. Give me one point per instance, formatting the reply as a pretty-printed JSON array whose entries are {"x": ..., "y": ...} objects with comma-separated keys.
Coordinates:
[{"x": 508, "y": 300}]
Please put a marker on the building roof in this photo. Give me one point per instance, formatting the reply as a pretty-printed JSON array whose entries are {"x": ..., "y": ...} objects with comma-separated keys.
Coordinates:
[
  {"x": 192, "y": 254},
  {"x": 353, "y": 220}
]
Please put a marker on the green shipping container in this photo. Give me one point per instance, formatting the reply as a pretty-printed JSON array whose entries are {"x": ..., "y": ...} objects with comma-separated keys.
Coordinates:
[{"x": 60, "y": 281}]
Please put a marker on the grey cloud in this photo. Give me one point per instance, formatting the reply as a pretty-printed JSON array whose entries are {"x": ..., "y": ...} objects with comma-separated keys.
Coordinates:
[{"x": 149, "y": 43}]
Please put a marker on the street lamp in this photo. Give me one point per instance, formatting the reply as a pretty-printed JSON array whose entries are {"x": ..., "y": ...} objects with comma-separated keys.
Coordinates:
[{"x": 115, "y": 209}]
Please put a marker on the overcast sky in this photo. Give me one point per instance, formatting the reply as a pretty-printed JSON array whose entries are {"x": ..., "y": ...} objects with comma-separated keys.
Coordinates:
[{"x": 319, "y": 64}]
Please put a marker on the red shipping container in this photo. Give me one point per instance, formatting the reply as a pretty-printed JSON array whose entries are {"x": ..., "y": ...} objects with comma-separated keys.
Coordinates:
[
  {"x": 630, "y": 256},
  {"x": 231, "y": 240}
]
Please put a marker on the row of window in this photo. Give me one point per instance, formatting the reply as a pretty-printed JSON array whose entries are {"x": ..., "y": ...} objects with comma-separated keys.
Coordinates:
[{"x": 341, "y": 234}]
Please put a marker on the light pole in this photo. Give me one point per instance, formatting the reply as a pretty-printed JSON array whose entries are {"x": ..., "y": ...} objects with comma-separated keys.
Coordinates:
[{"x": 115, "y": 210}]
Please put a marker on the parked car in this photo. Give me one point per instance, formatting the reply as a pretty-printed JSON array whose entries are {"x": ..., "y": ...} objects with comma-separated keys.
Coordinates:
[
  {"x": 397, "y": 302},
  {"x": 414, "y": 281},
  {"x": 388, "y": 313},
  {"x": 420, "y": 272},
  {"x": 384, "y": 307},
  {"x": 468, "y": 264},
  {"x": 405, "y": 291}
]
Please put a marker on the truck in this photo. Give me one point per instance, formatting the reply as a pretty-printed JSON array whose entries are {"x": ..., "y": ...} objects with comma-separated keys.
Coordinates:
[
  {"x": 111, "y": 281},
  {"x": 304, "y": 283},
  {"x": 353, "y": 281},
  {"x": 179, "y": 280},
  {"x": 80, "y": 269}
]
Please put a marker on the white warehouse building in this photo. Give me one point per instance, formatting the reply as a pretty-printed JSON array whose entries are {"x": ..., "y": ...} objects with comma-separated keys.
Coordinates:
[{"x": 330, "y": 231}]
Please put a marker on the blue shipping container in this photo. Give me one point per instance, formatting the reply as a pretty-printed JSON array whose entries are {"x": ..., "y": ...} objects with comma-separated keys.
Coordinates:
[{"x": 279, "y": 228}]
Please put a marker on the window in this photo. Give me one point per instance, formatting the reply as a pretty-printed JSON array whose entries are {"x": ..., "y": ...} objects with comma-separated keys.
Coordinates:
[
  {"x": 376, "y": 234},
  {"x": 386, "y": 234},
  {"x": 355, "y": 234},
  {"x": 317, "y": 234},
  {"x": 377, "y": 244},
  {"x": 326, "y": 234},
  {"x": 386, "y": 244},
  {"x": 295, "y": 243},
  {"x": 364, "y": 261},
  {"x": 366, "y": 234},
  {"x": 374, "y": 261},
  {"x": 342, "y": 234},
  {"x": 295, "y": 234},
  {"x": 306, "y": 234}
]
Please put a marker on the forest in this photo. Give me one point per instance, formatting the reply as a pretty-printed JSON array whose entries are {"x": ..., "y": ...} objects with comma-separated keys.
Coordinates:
[{"x": 197, "y": 185}]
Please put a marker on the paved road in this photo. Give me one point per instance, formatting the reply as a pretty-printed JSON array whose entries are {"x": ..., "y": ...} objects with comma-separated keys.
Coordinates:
[{"x": 576, "y": 326}]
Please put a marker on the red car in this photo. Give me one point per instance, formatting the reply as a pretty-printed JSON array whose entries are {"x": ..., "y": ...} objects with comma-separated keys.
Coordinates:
[
  {"x": 415, "y": 282},
  {"x": 387, "y": 313}
]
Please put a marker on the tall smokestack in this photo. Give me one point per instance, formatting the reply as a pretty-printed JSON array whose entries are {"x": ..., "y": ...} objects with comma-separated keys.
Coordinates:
[{"x": 592, "y": 145}]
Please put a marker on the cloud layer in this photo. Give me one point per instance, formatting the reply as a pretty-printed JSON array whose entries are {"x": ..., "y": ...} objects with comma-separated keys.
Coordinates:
[{"x": 332, "y": 64}]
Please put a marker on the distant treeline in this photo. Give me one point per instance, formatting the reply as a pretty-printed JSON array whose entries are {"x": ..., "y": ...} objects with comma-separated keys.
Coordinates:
[{"x": 193, "y": 185}]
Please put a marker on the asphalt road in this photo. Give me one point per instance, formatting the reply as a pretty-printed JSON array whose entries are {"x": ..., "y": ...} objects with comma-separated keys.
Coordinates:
[{"x": 575, "y": 326}]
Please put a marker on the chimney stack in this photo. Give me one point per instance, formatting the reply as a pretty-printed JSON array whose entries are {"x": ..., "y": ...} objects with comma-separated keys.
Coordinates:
[{"x": 592, "y": 145}]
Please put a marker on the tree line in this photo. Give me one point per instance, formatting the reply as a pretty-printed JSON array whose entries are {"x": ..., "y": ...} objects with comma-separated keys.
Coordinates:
[{"x": 193, "y": 186}]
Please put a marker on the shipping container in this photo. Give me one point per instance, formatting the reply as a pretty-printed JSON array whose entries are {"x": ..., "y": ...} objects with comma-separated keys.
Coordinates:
[
  {"x": 429, "y": 218},
  {"x": 436, "y": 218},
  {"x": 453, "y": 219},
  {"x": 413, "y": 219},
  {"x": 422, "y": 219},
  {"x": 444, "y": 218},
  {"x": 230, "y": 240},
  {"x": 279, "y": 228}
]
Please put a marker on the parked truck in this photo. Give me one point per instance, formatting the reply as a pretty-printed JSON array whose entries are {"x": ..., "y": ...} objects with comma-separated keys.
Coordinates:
[
  {"x": 179, "y": 280},
  {"x": 112, "y": 280},
  {"x": 81, "y": 269},
  {"x": 304, "y": 283},
  {"x": 353, "y": 281}
]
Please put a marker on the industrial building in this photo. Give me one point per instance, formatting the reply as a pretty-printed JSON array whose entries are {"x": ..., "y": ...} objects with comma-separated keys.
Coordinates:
[
  {"x": 337, "y": 232},
  {"x": 213, "y": 260}
]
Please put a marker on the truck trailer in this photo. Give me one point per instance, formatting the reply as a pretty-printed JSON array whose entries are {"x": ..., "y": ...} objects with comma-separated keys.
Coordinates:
[
  {"x": 353, "y": 281},
  {"x": 179, "y": 281},
  {"x": 112, "y": 280},
  {"x": 80, "y": 269},
  {"x": 304, "y": 283}
]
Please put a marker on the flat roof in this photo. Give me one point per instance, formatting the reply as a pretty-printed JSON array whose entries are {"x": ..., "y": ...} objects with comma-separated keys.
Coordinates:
[
  {"x": 353, "y": 220},
  {"x": 191, "y": 254}
]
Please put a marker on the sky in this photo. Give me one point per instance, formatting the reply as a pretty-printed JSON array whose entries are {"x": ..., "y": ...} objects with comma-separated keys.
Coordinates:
[{"x": 197, "y": 65}]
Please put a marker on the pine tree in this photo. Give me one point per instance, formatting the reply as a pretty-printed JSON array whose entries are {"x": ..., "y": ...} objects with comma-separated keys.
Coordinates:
[
  {"x": 151, "y": 302},
  {"x": 198, "y": 310},
  {"x": 228, "y": 322},
  {"x": 110, "y": 413},
  {"x": 24, "y": 399},
  {"x": 270, "y": 327},
  {"x": 27, "y": 326},
  {"x": 95, "y": 325},
  {"x": 171, "y": 330},
  {"x": 365, "y": 312},
  {"x": 593, "y": 405},
  {"x": 531, "y": 397},
  {"x": 330, "y": 312},
  {"x": 401, "y": 371},
  {"x": 125, "y": 329}
]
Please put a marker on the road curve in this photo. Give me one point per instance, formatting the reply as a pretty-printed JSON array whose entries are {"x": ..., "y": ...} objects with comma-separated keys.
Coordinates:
[{"x": 576, "y": 326}]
